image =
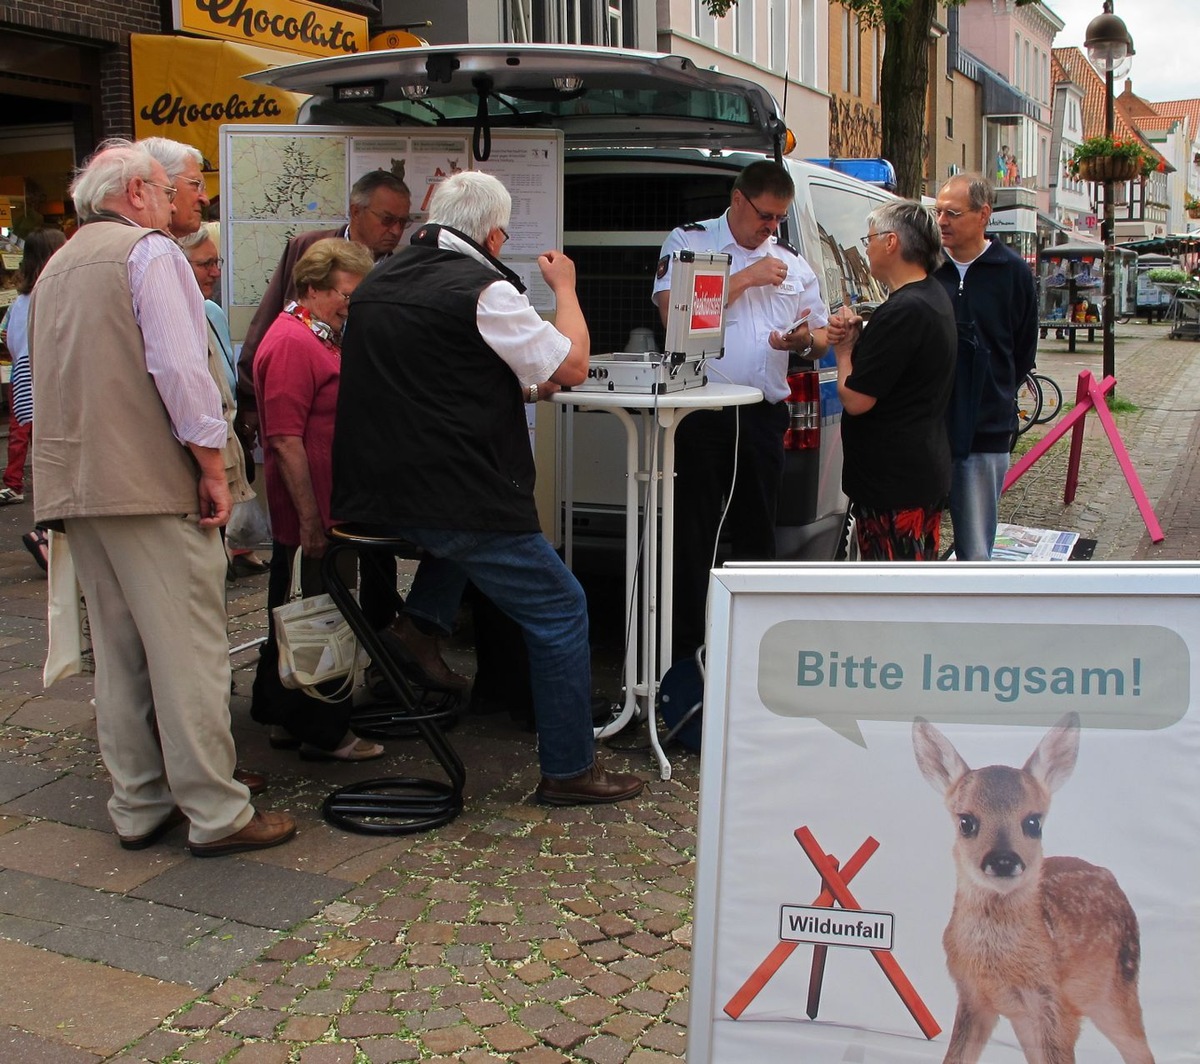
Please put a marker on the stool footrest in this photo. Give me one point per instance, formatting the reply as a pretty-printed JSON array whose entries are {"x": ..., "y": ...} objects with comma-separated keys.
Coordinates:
[{"x": 392, "y": 805}]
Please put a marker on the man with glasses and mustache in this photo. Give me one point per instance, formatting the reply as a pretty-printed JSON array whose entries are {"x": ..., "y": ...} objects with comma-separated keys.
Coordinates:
[
  {"x": 770, "y": 287},
  {"x": 379, "y": 214},
  {"x": 995, "y": 303}
]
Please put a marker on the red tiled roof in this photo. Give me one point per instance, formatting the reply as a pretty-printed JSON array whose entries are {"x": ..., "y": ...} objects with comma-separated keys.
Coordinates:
[
  {"x": 1189, "y": 109},
  {"x": 1077, "y": 69}
]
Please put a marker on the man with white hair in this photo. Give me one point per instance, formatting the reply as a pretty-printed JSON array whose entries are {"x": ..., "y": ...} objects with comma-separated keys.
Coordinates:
[
  {"x": 127, "y": 453},
  {"x": 441, "y": 352}
]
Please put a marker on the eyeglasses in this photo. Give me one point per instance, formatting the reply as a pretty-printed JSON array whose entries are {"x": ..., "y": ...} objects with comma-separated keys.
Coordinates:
[
  {"x": 170, "y": 190},
  {"x": 946, "y": 212},
  {"x": 866, "y": 240},
  {"x": 389, "y": 221},
  {"x": 765, "y": 216},
  {"x": 209, "y": 264},
  {"x": 195, "y": 182},
  {"x": 503, "y": 233},
  {"x": 345, "y": 295}
]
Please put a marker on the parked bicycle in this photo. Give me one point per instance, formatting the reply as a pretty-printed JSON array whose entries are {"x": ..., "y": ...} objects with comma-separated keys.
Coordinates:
[{"x": 1039, "y": 400}]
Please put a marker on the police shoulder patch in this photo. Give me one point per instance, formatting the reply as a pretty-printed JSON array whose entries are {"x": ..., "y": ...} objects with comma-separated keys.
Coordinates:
[
  {"x": 663, "y": 263},
  {"x": 693, "y": 227}
]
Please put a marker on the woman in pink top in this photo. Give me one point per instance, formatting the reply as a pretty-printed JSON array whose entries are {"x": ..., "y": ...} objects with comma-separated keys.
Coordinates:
[{"x": 296, "y": 370}]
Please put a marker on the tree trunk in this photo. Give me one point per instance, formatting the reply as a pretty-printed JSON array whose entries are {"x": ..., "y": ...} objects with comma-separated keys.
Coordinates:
[{"x": 904, "y": 83}]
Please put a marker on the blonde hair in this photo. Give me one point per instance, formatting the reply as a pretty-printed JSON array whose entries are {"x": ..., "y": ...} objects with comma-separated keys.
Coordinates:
[{"x": 318, "y": 263}]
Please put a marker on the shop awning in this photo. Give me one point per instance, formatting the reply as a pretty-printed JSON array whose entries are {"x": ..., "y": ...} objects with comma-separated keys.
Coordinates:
[{"x": 186, "y": 89}]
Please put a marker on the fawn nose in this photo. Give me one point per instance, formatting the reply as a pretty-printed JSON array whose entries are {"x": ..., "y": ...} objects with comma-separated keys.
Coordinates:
[{"x": 1003, "y": 863}]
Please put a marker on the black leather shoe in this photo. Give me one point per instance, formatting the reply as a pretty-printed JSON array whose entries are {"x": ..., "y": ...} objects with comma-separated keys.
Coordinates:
[
  {"x": 139, "y": 842},
  {"x": 596, "y": 786}
]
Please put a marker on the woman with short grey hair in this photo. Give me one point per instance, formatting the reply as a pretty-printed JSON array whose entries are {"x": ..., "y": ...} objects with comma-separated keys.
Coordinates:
[{"x": 894, "y": 379}]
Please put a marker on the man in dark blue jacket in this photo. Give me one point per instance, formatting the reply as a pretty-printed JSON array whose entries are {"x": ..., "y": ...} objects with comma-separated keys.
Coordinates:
[{"x": 995, "y": 303}]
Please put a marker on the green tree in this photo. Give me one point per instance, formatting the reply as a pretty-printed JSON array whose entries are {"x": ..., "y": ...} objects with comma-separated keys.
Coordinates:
[{"x": 903, "y": 78}]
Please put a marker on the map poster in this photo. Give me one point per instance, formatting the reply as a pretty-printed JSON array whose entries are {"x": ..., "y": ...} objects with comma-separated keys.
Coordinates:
[
  {"x": 280, "y": 180},
  {"x": 947, "y": 812}
]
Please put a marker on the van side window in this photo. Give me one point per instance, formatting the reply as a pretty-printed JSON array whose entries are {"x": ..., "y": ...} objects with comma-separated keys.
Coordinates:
[{"x": 841, "y": 218}]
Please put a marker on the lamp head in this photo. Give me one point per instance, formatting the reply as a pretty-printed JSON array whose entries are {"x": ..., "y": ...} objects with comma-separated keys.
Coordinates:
[{"x": 1107, "y": 40}]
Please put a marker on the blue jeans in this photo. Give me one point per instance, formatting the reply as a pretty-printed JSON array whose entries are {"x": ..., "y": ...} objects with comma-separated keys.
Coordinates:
[
  {"x": 523, "y": 576},
  {"x": 975, "y": 485}
]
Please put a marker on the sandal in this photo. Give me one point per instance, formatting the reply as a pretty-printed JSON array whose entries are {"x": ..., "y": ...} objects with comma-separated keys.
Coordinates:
[
  {"x": 353, "y": 749},
  {"x": 38, "y": 545}
]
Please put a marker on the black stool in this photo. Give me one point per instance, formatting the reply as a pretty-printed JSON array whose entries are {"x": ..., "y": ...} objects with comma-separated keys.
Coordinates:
[{"x": 391, "y": 805}]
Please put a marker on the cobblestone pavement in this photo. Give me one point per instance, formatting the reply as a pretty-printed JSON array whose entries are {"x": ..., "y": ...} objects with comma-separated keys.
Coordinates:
[{"x": 517, "y": 933}]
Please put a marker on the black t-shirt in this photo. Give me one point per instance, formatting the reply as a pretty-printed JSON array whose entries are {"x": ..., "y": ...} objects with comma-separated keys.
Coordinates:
[{"x": 897, "y": 454}]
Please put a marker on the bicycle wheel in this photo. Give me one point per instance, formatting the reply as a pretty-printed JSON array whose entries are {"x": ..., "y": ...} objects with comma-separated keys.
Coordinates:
[
  {"x": 1029, "y": 404},
  {"x": 1052, "y": 398}
]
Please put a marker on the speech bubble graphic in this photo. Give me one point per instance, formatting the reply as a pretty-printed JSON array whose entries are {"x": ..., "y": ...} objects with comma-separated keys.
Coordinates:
[{"x": 841, "y": 672}]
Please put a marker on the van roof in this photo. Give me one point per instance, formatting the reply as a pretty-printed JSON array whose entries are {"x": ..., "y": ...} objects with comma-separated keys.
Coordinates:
[{"x": 597, "y": 96}]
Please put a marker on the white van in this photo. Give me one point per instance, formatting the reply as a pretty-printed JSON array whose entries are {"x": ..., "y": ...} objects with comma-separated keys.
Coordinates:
[{"x": 652, "y": 142}]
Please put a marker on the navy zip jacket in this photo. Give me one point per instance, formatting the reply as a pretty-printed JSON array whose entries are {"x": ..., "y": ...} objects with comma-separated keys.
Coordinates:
[{"x": 996, "y": 308}]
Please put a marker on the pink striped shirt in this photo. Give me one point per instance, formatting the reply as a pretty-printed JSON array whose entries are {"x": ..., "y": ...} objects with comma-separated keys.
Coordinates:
[{"x": 170, "y": 312}]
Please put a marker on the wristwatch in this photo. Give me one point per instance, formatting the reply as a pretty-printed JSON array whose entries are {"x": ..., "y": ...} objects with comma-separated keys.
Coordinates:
[{"x": 532, "y": 395}]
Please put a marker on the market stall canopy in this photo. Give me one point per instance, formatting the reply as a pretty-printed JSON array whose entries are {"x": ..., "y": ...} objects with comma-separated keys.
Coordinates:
[
  {"x": 1172, "y": 244},
  {"x": 185, "y": 88}
]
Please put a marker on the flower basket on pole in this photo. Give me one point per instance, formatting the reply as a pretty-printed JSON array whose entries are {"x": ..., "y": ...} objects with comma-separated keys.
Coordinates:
[{"x": 1109, "y": 168}]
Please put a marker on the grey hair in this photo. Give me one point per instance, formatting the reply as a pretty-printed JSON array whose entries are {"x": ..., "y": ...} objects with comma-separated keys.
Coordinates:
[
  {"x": 172, "y": 155},
  {"x": 107, "y": 173},
  {"x": 980, "y": 191},
  {"x": 472, "y": 202},
  {"x": 915, "y": 228},
  {"x": 364, "y": 188},
  {"x": 194, "y": 240}
]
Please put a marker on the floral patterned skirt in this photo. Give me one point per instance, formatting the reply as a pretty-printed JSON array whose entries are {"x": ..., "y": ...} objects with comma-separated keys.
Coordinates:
[{"x": 912, "y": 535}]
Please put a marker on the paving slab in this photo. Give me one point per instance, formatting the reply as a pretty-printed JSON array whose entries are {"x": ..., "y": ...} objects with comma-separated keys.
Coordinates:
[
  {"x": 17, "y": 779},
  {"x": 70, "y": 799},
  {"x": 246, "y": 891},
  {"x": 78, "y": 1005},
  {"x": 80, "y": 855}
]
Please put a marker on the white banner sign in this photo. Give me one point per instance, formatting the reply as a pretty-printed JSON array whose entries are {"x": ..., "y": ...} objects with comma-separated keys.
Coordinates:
[{"x": 947, "y": 811}]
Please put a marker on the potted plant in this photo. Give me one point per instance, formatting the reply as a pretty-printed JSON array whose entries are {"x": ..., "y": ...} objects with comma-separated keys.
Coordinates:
[
  {"x": 1111, "y": 159},
  {"x": 1191, "y": 205}
]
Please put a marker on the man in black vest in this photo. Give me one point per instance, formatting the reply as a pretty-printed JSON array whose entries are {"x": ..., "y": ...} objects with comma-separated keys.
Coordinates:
[{"x": 441, "y": 352}]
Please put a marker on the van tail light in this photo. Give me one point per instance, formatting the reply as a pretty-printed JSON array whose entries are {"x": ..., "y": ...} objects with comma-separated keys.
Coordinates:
[{"x": 804, "y": 412}]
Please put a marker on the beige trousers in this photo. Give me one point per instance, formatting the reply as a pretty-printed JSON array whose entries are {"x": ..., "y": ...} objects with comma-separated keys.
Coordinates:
[{"x": 155, "y": 592}]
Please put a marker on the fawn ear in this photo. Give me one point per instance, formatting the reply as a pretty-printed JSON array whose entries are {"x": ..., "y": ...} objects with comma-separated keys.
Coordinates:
[
  {"x": 1053, "y": 761},
  {"x": 937, "y": 759}
]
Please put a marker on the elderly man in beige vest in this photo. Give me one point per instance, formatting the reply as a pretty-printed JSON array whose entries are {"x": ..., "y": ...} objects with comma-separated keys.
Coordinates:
[{"x": 127, "y": 455}]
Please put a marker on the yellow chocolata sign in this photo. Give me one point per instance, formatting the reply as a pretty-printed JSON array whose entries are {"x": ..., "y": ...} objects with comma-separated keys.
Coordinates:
[
  {"x": 186, "y": 89},
  {"x": 291, "y": 25}
]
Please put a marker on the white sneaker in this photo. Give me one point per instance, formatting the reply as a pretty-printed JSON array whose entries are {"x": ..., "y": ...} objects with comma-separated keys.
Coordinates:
[{"x": 8, "y": 497}]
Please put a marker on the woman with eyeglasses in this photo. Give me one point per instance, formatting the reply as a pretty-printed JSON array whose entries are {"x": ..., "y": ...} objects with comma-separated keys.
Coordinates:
[
  {"x": 296, "y": 374},
  {"x": 894, "y": 379}
]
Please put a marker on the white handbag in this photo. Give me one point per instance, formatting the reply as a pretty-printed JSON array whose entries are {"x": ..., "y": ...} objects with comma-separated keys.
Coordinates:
[{"x": 316, "y": 644}]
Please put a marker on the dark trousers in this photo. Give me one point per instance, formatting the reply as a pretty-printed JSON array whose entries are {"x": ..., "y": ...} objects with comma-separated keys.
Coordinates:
[
  {"x": 308, "y": 719},
  {"x": 706, "y": 443}
]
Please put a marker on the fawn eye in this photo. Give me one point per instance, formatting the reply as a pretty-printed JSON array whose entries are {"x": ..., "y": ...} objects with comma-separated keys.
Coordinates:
[
  {"x": 1032, "y": 826},
  {"x": 968, "y": 825}
]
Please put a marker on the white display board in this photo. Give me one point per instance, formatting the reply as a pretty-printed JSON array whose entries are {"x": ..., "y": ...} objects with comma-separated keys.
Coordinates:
[
  {"x": 1071, "y": 870},
  {"x": 280, "y": 180}
]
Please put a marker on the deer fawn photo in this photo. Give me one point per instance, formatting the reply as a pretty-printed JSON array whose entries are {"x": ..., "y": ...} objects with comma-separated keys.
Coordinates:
[{"x": 1045, "y": 942}]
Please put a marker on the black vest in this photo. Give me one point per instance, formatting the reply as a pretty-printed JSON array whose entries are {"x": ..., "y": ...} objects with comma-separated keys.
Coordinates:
[{"x": 430, "y": 428}]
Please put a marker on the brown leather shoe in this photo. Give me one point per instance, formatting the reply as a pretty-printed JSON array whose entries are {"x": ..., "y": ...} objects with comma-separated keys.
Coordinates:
[
  {"x": 254, "y": 782},
  {"x": 264, "y": 831},
  {"x": 593, "y": 787},
  {"x": 139, "y": 842},
  {"x": 420, "y": 657}
]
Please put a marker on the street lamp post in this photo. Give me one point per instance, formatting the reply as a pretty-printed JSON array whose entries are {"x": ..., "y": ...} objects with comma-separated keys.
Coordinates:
[{"x": 1108, "y": 43}]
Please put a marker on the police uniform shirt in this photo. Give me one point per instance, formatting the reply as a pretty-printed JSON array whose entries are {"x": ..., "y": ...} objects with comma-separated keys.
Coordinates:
[{"x": 749, "y": 359}]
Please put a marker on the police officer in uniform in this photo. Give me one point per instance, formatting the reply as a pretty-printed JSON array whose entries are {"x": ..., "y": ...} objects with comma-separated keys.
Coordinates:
[{"x": 770, "y": 287}]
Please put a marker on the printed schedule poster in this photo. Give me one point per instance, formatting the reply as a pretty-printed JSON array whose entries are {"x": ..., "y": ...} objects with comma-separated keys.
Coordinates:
[{"x": 948, "y": 813}]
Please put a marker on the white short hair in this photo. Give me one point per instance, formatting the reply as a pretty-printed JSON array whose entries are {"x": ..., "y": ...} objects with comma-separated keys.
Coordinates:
[
  {"x": 471, "y": 202},
  {"x": 173, "y": 156},
  {"x": 194, "y": 240},
  {"x": 107, "y": 173}
]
